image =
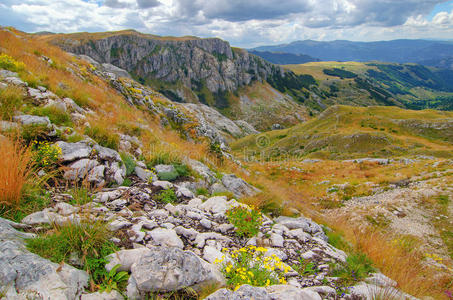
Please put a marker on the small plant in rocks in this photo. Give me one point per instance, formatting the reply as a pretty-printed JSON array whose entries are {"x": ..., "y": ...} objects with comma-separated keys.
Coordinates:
[
  {"x": 167, "y": 196},
  {"x": 246, "y": 220},
  {"x": 251, "y": 265},
  {"x": 45, "y": 154},
  {"x": 305, "y": 267},
  {"x": 114, "y": 280}
]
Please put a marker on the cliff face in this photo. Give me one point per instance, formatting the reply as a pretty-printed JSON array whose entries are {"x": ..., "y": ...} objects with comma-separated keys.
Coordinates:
[{"x": 196, "y": 63}]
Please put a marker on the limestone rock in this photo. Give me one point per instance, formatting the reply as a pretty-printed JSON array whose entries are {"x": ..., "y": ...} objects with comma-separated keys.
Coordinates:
[{"x": 170, "y": 269}]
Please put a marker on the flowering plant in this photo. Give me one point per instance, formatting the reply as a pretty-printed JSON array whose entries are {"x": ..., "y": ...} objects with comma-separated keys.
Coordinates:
[
  {"x": 251, "y": 265},
  {"x": 246, "y": 220}
]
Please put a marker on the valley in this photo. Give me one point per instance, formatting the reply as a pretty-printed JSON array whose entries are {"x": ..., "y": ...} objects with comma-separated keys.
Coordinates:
[{"x": 145, "y": 167}]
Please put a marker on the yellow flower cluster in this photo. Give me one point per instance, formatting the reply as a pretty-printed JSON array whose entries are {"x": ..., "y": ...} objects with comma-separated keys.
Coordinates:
[
  {"x": 46, "y": 154},
  {"x": 9, "y": 63},
  {"x": 250, "y": 265}
]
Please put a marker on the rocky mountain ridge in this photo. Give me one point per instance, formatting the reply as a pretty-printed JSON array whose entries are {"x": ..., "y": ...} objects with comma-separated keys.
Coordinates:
[{"x": 192, "y": 61}]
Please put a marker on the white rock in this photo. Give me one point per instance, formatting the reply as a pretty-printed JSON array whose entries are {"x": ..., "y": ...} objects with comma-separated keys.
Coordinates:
[
  {"x": 206, "y": 223},
  {"x": 166, "y": 237},
  {"x": 163, "y": 184},
  {"x": 113, "y": 295},
  {"x": 210, "y": 254},
  {"x": 215, "y": 205},
  {"x": 124, "y": 258},
  {"x": 277, "y": 240},
  {"x": 190, "y": 233}
]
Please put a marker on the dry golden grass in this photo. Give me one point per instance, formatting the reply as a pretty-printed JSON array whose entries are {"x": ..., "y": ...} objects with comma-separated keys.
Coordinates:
[
  {"x": 406, "y": 268},
  {"x": 16, "y": 171}
]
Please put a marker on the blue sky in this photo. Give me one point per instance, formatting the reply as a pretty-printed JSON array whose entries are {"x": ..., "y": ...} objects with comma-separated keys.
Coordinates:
[{"x": 243, "y": 23}]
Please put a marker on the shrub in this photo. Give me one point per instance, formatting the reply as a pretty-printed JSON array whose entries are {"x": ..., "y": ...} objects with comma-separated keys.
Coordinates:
[
  {"x": 9, "y": 63},
  {"x": 249, "y": 265},
  {"x": 168, "y": 176},
  {"x": 167, "y": 196},
  {"x": 10, "y": 100},
  {"x": 114, "y": 280},
  {"x": 129, "y": 162},
  {"x": 103, "y": 136},
  {"x": 45, "y": 154},
  {"x": 247, "y": 221},
  {"x": 16, "y": 171},
  {"x": 87, "y": 241}
]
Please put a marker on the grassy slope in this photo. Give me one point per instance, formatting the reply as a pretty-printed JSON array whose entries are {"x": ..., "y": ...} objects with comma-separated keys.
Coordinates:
[
  {"x": 409, "y": 85},
  {"x": 346, "y": 131}
]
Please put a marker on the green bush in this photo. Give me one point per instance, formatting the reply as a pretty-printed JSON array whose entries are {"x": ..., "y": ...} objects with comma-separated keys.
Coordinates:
[
  {"x": 180, "y": 171},
  {"x": 103, "y": 136},
  {"x": 247, "y": 221},
  {"x": 35, "y": 132},
  {"x": 129, "y": 162},
  {"x": 203, "y": 191},
  {"x": 305, "y": 268},
  {"x": 80, "y": 195},
  {"x": 9, "y": 63},
  {"x": 45, "y": 154},
  {"x": 167, "y": 196}
]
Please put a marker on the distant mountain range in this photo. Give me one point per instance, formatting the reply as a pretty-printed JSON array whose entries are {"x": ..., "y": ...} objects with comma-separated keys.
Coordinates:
[
  {"x": 432, "y": 53},
  {"x": 282, "y": 58}
]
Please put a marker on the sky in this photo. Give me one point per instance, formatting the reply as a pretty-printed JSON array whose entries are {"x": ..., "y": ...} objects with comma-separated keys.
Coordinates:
[{"x": 244, "y": 23}]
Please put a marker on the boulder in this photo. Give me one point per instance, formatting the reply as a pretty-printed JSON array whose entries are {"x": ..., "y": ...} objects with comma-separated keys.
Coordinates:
[
  {"x": 73, "y": 151},
  {"x": 107, "y": 153},
  {"x": 144, "y": 174},
  {"x": 238, "y": 186},
  {"x": 113, "y": 295},
  {"x": 166, "y": 237},
  {"x": 29, "y": 120},
  {"x": 285, "y": 292},
  {"x": 80, "y": 169},
  {"x": 124, "y": 258},
  {"x": 24, "y": 275},
  {"x": 202, "y": 170},
  {"x": 167, "y": 269}
]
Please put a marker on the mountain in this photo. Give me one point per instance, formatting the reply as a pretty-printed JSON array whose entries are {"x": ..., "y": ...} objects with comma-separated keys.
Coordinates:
[
  {"x": 399, "y": 51},
  {"x": 191, "y": 69},
  {"x": 282, "y": 58},
  {"x": 365, "y": 84}
]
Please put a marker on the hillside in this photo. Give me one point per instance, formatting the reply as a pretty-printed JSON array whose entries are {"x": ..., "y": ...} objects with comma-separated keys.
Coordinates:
[
  {"x": 398, "y": 51},
  {"x": 405, "y": 85},
  {"x": 111, "y": 190},
  {"x": 344, "y": 132}
]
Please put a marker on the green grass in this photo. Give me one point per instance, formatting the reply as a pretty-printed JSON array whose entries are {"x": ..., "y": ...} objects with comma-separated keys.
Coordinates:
[
  {"x": 34, "y": 200},
  {"x": 88, "y": 241},
  {"x": 343, "y": 132},
  {"x": 81, "y": 195},
  {"x": 129, "y": 162},
  {"x": 167, "y": 196},
  {"x": 56, "y": 115},
  {"x": 356, "y": 268},
  {"x": 103, "y": 136}
]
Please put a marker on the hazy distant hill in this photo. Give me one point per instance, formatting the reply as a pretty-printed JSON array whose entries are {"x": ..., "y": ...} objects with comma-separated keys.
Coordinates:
[
  {"x": 282, "y": 58},
  {"x": 400, "y": 51}
]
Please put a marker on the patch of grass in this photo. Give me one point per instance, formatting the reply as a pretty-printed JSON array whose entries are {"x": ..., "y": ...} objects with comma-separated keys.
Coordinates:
[
  {"x": 127, "y": 182},
  {"x": 168, "y": 176},
  {"x": 55, "y": 114},
  {"x": 11, "y": 99},
  {"x": 103, "y": 136},
  {"x": 162, "y": 155},
  {"x": 330, "y": 204},
  {"x": 16, "y": 172},
  {"x": 167, "y": 196},
  {"x": 356, "y": 268},
  {"x": 34, "y": 199},
  {"x": 9, "y": 63},
  {"x": 31, "y": 133},
  {"x": 229, "y": 195},
  {"x": 443, "y": 200},
  {"x": 81, "y": 195},
  {"x": 87, "y": 241},
  {"x": 129, "y": 162},
  {"x": 203, "y": 192},
  {"x": 380, "y": 220},
  {"x": 305, "y": 267},
  {"x": 337, "y": 240}
]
